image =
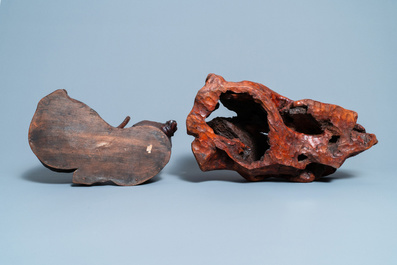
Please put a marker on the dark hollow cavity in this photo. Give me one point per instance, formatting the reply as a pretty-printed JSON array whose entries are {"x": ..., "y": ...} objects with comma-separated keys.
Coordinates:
[
  {"x": 333, "y": 144},
  {"x": 334, "y": 139},
  {"x": 250, "y": 125},
  {"x": 299, "y": 120},
  {"x": 302, "y": 157},
  {"x": 320, "y": 170}
]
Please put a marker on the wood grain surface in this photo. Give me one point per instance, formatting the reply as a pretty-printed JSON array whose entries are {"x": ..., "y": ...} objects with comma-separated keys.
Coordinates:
[{"x": 67, "y": 135}]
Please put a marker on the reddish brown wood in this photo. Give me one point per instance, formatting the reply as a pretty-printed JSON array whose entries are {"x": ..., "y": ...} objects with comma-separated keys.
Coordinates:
[
  {"x": 67, "y": 135},
  {"x": 272, "y": 136}
]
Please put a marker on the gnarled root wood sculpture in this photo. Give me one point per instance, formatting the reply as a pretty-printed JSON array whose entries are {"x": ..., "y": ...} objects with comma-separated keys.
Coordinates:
[
  {"x": 67, "y": 135},
  {"x": 272, "y": 136}
]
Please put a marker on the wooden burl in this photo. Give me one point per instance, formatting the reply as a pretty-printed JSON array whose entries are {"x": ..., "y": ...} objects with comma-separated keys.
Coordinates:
[{"x": 272, "y": 136}]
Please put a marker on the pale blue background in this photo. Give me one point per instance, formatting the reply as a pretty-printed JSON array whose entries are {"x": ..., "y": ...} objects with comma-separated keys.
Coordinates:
[{"x": 148, "y": 59}]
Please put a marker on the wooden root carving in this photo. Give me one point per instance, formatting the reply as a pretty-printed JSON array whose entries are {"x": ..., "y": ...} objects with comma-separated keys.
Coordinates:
[
  {"x": 67, "y": 135},
  {"x": 272, "y": 136}
]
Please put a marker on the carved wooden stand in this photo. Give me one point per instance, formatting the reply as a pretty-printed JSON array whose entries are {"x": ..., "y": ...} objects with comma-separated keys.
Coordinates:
[{"x": 67, "y": 135}]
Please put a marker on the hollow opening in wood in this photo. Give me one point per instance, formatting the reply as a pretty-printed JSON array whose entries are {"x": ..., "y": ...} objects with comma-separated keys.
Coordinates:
[
  {"x": 300, "y": 120},
  {"x": 302, "y": 157},
  {"x": 334, "y": 139},
  {"x": 250, "y": 125}
]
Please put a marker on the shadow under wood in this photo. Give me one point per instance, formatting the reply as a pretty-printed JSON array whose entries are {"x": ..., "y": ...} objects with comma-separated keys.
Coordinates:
[
  {"x": 41, "y": 174},
  {"x": 110, "y": 183},
  {"x": 339, "y": 174},
  {"x": 187, "y": 169}
]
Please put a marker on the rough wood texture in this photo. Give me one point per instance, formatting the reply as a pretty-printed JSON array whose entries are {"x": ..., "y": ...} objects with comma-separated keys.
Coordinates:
[
  {"x": 272, "y": 136},
  {"x": 67, "y": 135}
]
